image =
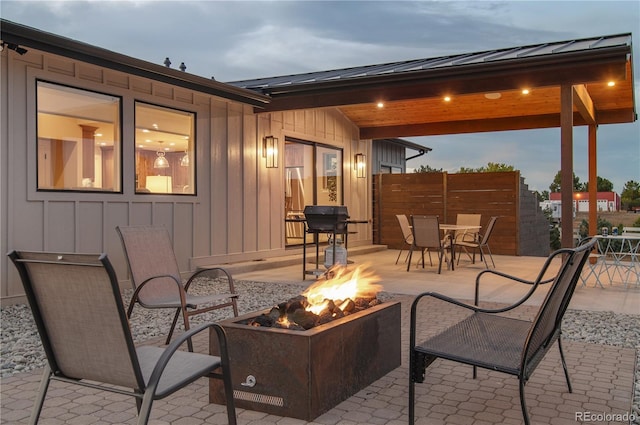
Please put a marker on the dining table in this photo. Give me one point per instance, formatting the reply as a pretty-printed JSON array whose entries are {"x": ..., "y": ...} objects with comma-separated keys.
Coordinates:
[{"x": 450, "y": 229}]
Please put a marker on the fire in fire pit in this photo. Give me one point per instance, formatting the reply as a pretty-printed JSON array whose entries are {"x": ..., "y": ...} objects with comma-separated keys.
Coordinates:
[{"x": 339, "y": 293}]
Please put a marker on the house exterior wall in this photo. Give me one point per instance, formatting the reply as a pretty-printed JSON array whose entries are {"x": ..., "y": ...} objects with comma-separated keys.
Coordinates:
[
  {"x": 388, "y": 154},
  {"x": 605, "y": 201},
  {"x": 237, "y": 214}
]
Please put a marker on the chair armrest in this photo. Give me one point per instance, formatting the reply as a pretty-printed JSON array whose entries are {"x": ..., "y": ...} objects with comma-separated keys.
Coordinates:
[
  {"x": 181, "y": 289},
  {"x": 164, "y": 359},
  {"x": 202, "y": 272}
]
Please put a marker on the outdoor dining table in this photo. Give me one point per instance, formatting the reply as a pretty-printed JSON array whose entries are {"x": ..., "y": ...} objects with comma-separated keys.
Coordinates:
[
  {"x": 620, "y": 257},
  {"x": 450, "y": 229}
]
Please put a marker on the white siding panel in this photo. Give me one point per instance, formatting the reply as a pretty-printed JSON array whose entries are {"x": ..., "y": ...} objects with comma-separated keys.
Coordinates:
[
  {"x": 89, "y": 235},
  {"x": 237, "y": 213},
  {"x": 60, "y": 226}
]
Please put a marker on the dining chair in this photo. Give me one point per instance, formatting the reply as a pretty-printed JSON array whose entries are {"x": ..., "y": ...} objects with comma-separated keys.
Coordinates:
[
  {"x": 407, "y": 235},
  {"x": 426, "y": 236},
  {"x": 482, "y": 245},
  {"x": 467, "y": 235},
  {"x": 157, "y": 282},
  {"x": 79, "y": 313}
]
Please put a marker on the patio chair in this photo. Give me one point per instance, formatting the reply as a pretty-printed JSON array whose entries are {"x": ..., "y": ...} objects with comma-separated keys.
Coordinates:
[
  {"x": 426, "y": 236},
  {"x": 488, "y": 339},
  {"x": 157, "y": 282},
  {"x": 77, "y": 306},
  {"x": 407, "y": 235},
  {"x": 466, "y": 235},
  {"x": 481, "y": 245}
]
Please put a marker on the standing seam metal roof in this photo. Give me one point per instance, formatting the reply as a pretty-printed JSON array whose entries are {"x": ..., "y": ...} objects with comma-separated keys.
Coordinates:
[{"x": 497, "y": 55}]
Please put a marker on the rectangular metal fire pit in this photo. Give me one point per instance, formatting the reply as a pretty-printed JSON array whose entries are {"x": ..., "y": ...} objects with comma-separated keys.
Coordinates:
[{"x": 302, "y": 374}]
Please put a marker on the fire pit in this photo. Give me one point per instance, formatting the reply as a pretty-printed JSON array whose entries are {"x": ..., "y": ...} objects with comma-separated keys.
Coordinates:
[{"x": 304, "y": 373}]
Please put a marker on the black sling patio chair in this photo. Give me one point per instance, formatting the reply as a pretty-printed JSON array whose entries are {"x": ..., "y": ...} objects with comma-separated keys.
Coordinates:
[
  {"x": 486, "y": 339},
  {"x": 78, "y": 310}
]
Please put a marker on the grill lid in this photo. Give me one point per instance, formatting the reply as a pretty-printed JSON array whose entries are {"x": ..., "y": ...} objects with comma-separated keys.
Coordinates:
[{"x": 326, "y": 218}]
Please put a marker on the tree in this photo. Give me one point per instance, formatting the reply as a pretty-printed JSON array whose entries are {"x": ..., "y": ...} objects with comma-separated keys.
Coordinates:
[
  {"x": 542, "y": 196},
  {"x": 630, "y": 195},
  {"x": 427, "y": 169},
  {"x": 491, "y": 167},
  {"x": 603, "y": 185},
  {"x": 577, "y": 186}
]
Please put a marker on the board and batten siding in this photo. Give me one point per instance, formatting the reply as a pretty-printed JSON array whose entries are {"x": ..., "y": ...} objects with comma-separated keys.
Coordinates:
[{"x": 237, "y": 214}]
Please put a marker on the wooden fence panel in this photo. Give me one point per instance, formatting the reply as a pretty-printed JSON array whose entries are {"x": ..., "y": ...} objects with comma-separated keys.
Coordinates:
[{"x": 446, "y": 195}]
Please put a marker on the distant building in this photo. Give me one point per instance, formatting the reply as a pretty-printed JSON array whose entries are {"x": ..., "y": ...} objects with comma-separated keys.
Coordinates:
[{"x": 606, "y": 202}]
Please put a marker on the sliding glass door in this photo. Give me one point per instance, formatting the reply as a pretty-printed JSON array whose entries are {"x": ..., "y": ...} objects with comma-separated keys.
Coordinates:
[{"x": 313, "y": 176}]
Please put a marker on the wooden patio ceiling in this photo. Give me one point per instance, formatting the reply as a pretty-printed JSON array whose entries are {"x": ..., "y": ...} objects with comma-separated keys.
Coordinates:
[{"x": 413, "y": 92}]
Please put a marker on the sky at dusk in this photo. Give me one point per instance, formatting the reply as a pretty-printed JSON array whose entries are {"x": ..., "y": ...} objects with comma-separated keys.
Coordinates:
[{"x": 237, "y": 40}]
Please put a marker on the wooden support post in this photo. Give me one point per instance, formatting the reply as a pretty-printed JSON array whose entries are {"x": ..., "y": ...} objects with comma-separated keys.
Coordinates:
[{"x": 566, "y": 164}]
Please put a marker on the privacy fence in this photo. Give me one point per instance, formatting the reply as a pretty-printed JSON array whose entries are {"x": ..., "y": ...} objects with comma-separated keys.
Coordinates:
[{"x": 522, "y": 228}]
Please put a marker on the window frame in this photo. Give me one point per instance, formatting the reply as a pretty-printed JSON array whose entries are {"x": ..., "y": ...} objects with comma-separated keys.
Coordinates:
[
  {"x": 193, "y": 151},
  {"x": 118, "y": 176}
]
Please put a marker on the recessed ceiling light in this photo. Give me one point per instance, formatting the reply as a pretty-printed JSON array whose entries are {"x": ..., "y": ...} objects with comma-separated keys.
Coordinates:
[
  {"x": 380, "y": 105},
  {"x": 447, "y": 98},
  {"x": 493, "y": 95},
  {"x": 525, "y": 91},
  {"x": 611, "y": 83}
]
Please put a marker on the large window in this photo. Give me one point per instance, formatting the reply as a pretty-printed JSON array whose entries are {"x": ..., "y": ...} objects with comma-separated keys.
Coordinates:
[
  {"x": 79, "y": 142},
  {"x": 165, "y": 160}
]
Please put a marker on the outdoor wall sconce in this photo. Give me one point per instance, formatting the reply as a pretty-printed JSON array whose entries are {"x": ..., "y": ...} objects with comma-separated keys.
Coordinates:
[
  {"x": 270, "y": 151},
  {"x": 160, "y": 161},
  {"x": 360, "y": 163}
]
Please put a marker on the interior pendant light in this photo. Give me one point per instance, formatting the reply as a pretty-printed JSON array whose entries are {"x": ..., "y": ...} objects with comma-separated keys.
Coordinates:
[{"x": 160, "y": 161}]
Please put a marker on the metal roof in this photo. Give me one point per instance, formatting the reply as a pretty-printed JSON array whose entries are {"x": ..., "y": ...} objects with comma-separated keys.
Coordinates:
[{"x": 535, "y": 51}]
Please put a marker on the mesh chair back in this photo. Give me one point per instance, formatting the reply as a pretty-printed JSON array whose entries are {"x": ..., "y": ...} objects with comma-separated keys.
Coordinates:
[
  {"x": 488, "y": 230},
  {"x": 426, "y": 231},
  {"x": 149, "y": 253},
  {"x": 549, "y": 317},
  {"x": 405, "y": 227},
  {"x": 77, "y": 306},
  {"x": 467, "y": 220}
]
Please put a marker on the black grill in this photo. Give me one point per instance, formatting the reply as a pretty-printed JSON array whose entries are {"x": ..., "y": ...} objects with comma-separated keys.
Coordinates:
[{"x": 326, "y": 218}]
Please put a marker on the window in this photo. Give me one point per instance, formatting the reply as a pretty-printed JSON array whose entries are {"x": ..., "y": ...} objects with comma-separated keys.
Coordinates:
[
  {"x": 79, "y": 142},
  {"x": 165, "y": 160}
]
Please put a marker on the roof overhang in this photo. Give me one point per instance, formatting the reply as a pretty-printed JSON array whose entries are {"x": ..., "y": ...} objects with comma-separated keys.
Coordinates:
[
  {"x": 485, "y": 90},
  {"x": 30, "y": 38}
]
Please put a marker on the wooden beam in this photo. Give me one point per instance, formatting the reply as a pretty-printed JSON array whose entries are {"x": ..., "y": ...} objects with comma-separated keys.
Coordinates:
[
  {"x": 584, "y": 103},
  {"x": 566, "y": 164},
  {"x": 593, "y": 181}
]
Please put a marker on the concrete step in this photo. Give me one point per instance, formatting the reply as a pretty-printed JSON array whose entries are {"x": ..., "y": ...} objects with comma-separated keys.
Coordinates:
[{"x": 290, "y": 260}]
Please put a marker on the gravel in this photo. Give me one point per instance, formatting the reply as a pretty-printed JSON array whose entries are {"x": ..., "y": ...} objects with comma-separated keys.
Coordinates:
[{"x": 21, "y": 350}]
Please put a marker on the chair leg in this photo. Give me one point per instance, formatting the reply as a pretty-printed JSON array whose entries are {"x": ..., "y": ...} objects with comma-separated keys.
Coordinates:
[
  {"x": 398, "y": 259},
  {"x": 412, "y": 401},
  {"x": 410, "y": 256},
  {"x": 42, "y": 392},
  {"x": 523, "y": 404},
  {"x": 173, "y": 325},
  {"x": 145, "y": 408},
  {"x": 564, "y": 366}
]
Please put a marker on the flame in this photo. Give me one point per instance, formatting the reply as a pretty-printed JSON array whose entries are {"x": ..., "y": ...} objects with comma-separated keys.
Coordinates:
[{"x": 344, "y": 284}]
